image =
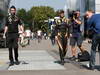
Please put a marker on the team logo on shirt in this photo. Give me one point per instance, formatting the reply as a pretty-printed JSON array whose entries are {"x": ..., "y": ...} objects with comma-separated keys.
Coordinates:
[
  {"x": 10, "y": 19},
  {"x": 16, "y": 18}
]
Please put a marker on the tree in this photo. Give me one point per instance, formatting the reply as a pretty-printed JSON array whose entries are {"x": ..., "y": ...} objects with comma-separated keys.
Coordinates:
[
  {"x": 36, "y": 15},
  {"x": 22, "y": 14},
  {"x": 39, "y": 14},
  {"x": 25, "y": 17}
]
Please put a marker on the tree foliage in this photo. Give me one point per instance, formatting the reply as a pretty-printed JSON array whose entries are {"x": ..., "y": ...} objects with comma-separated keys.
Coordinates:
[{"x": 35, "y": 17}]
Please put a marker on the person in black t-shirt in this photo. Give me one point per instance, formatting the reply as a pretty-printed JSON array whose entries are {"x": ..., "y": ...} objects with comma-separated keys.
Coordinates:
[{"x": 12, "y": 26}]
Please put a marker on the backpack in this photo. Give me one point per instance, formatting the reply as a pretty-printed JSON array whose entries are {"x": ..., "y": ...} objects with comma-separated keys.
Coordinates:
[{"x": 83, "y": 56}]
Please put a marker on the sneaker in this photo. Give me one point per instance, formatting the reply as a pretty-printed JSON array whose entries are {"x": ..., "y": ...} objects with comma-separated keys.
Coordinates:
[
  {"x": 17, "y": 62},
  {"x": 73, "y": 58},
  {"x": 90, "y": 67},
  {"x": 11, "y": 63},
  {"x": 62, "y": 62}
]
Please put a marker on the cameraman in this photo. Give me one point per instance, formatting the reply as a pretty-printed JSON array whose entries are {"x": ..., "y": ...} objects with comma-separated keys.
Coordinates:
[{"x": 75, "y": 34}]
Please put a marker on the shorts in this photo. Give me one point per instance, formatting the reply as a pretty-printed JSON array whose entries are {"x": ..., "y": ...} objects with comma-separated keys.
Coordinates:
[{"x": 76, "y": 40}]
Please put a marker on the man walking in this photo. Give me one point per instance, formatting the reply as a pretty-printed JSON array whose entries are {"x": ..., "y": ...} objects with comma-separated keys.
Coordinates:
[
  {"x": 62, "y": 35},
  {"x": 12, "y": 26}
]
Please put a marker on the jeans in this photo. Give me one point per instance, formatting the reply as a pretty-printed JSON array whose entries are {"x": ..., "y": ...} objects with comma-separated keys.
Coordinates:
[{"x": 95, "y": 44}]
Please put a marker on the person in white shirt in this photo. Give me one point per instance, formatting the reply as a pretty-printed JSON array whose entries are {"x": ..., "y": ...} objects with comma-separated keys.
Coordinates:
[
  {"x": 39, "y": 34},
  {"x": 28, "y": 35}
]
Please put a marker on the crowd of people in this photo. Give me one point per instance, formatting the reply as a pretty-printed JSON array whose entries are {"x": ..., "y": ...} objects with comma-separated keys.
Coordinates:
[
  {"x": 64, "y": 29},
  {"x": 70, "y": 28}
]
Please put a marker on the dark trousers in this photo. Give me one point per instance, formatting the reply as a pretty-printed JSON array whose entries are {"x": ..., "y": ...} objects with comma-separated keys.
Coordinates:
[
  {"x": 95, "y": 44},
  {"x": 63, "y": 41},
  {"x": 13, "y": 44},
  {"x": 53, "y": 41},
  {"x": 11, "y": 54}
]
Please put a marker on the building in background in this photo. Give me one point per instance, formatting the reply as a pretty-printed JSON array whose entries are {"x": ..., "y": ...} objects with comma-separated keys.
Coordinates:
[
  {"x": 97, "y": 6},
  {"x": 4, "y": 5},
  {"x": 83, "y": 5}
]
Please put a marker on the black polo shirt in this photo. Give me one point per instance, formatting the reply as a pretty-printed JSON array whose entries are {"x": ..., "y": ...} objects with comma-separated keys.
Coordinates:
[{"x": 12, "y": 23}]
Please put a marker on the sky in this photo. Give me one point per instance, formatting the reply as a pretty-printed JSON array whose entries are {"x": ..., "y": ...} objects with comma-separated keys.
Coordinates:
[{"x": 27, "y": 4}]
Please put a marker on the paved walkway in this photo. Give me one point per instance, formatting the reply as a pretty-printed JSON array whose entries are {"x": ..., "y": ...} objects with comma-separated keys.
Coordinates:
[
  {"x": 40, "y": 58},
  {"x": 36, "y": 60}
]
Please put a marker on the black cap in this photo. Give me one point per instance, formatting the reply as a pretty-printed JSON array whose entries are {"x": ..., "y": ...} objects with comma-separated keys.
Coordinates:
[
  {"x": 61, "y": 11},
  {"x": 13, "y": 7}
]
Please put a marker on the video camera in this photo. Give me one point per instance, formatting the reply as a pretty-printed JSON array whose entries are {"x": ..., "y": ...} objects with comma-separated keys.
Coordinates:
[{"x": 72, "y": 15}]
